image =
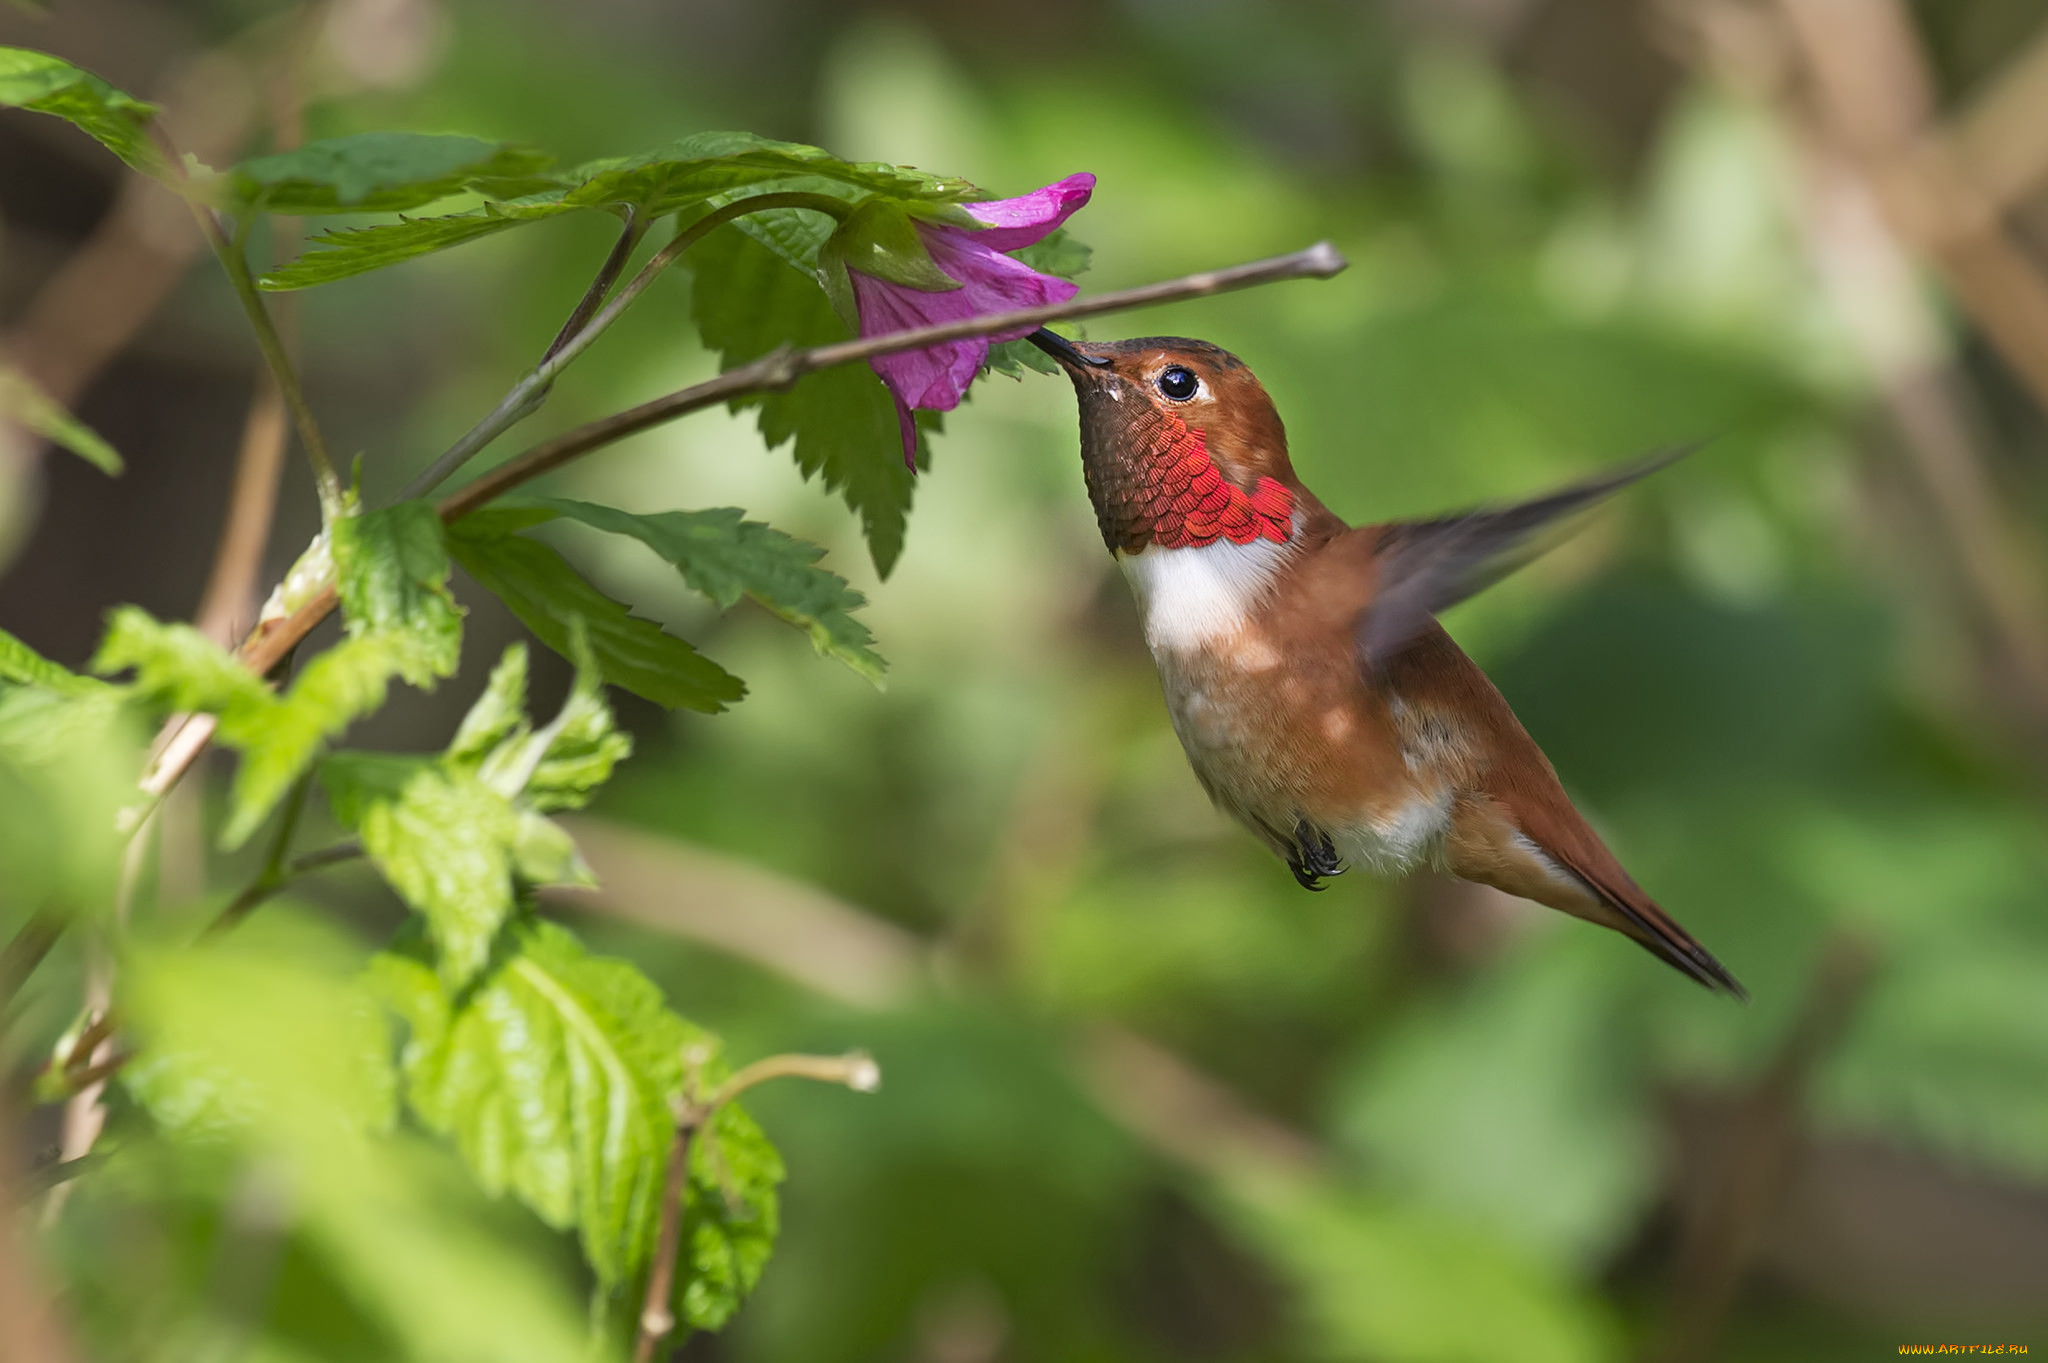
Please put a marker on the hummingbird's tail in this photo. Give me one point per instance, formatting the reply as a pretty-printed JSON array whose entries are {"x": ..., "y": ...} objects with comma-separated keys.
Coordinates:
[{"x": 1636, "y": 914}]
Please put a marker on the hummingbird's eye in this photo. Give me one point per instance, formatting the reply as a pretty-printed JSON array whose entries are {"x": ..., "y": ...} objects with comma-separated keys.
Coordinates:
[{"x": 1177, "y": 383}]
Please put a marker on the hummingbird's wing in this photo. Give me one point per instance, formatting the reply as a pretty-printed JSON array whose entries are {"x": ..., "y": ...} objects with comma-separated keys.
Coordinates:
[{"x": 1429, "y": 566}]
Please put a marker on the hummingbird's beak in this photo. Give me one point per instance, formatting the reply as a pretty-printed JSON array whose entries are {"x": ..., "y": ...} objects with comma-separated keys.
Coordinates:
[{"x": 1062, "y": 349}]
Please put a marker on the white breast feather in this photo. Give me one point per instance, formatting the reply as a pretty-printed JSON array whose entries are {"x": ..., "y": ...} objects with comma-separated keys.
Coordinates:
[{"x": 1200, "y": 595}]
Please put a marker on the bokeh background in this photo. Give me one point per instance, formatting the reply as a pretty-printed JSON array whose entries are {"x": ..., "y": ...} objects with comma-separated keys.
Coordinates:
[{"x": 1145, "y": 1099}]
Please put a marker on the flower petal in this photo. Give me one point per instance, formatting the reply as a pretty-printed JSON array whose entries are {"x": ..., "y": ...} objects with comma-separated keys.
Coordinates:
[
  {"x": 934, "y": 376},
  {"x": 1030, "y": 218}
]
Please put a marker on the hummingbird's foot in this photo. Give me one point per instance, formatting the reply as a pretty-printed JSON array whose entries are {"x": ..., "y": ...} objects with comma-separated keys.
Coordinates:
[{"x": 1315, "y": 856}]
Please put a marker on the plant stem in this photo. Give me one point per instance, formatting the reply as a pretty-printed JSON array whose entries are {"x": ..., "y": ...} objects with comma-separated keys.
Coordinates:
[
  {"x": 531, "y": 391},
  {"x": 657, "y": 1318},
  {"x": 607, "y": 275},
  {"x": 267, "y": 340},
  {"x": 262, "y": 651},
  {"x": 856, "y": 1070},
  {"x": 265, "y": 886}
]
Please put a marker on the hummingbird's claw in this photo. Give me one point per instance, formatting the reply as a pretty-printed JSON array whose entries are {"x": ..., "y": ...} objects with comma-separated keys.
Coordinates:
[{"x": 1315, "y": 856}]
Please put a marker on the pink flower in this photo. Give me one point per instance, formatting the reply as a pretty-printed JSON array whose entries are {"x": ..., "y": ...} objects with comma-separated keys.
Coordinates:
[{"x": 990, "y": 282}]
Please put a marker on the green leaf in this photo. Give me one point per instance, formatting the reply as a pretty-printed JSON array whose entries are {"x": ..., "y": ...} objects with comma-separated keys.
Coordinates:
[
  {"x": 380, "y": 172},
  {"x": 24, "y": 401},
  {"x": 343, "y": 253},
  {"x": 455, "y": 837},
  {"x": 445, "y": 844},
  {"x": 549, "y": 596},
  {"x": 50, "y": 85},
  {"x": 499, "y": 713},
  {"x": 1060, "y": 254},
  {"x": 391, "y": 571},
  {"x": 279, "y": 741},
  {"x": 559, "y": 767},
  {"x": 1014, "y": 357},
  {"x": 725, "y": 556},
  {"x": 270, "y": 1051},
  {"x": 705, "y": 165},
  {"x": 69, "y": 752},
  {"x": 576, "y": 753},
  {"x": 22, "y": 664},
  {"x": 554, "y": 1076},
  {"x": 746, "y": 301},
  {"x": 179, "y": 668}
]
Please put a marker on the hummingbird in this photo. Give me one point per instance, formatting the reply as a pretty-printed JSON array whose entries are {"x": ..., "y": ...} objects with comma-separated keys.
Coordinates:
[{"x": 1316, "y": 696}]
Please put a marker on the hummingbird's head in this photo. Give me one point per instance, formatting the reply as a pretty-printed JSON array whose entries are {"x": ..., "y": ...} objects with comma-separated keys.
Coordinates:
[{"x": 1179, "y": 441}]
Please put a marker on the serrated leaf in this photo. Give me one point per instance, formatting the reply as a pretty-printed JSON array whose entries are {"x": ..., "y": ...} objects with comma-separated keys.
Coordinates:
[
  {"x": 24, "y": 401},
  {"x": 578, "y": 750},
  {"x": 344, "y": 253},
  {"x": 554, "y": 1076},
  {"x": 548, "y": 595},
  {"x": 456, "y": 836},
  {"x": 558, "y": 767},
  {"x": 499, "y": 713},
  {"x": 21, "y": 664},
  {"x": 707, "y": 164},
  {"x": 445, "y": 845},
  {"x": 391, "y": 571},
  {"x": 50, "y": 85},
  {"x": 746, "y": 301},
  {"x": 379, "y": 172},
  {"x": 177, "y": 667},
  {"x": 725, "y": 556}
]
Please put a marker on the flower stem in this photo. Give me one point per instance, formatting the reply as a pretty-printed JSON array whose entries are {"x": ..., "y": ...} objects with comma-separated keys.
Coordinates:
[{"x": 531, "y": 391}]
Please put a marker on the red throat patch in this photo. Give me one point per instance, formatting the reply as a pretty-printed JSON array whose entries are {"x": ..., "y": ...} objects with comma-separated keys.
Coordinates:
[{"x": 1172, "y": 494}]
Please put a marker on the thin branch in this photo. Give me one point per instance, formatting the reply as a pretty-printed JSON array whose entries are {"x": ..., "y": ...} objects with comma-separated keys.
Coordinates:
[
  {"x": 530, "y": 392},
  {"x": 264, "y": 649},
  {"x": 783, "y": 367}
]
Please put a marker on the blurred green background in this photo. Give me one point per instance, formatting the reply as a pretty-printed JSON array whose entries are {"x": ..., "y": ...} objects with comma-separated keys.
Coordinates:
[{"x": 1144, "y": 1099}]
